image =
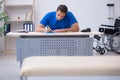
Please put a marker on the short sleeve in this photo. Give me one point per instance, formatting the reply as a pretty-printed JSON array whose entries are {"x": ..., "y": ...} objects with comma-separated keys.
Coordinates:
[
  {"x": 44, "y": 20},
  {"x": 72, "y": 19}
]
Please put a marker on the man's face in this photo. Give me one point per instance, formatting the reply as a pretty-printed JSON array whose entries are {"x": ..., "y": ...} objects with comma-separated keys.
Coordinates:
[{"x": 60, "y": 15}]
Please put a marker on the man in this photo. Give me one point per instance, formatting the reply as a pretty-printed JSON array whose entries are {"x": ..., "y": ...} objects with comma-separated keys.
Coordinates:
[{"x": 59, "y": 21}]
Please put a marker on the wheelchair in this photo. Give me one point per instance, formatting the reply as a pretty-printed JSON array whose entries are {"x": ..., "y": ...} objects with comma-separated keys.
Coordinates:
[{"x": 110, "y": 40}]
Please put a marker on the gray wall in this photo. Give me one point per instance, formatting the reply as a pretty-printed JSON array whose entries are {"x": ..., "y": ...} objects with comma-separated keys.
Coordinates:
[{"x": 89, "y": 13}]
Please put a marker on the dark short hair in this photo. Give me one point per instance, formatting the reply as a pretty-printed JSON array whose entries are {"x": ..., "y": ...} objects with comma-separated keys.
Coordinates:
[{"x": 62, "y": 8}]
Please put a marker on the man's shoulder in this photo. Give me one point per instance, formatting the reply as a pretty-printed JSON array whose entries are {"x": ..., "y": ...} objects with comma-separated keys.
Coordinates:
[
  {"x": 69, "y": 13},
  {"x": 51, "y": 13}
]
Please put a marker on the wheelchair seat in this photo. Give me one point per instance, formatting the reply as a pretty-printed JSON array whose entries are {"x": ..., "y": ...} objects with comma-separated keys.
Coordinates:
[{"x": 109, "y": 29}]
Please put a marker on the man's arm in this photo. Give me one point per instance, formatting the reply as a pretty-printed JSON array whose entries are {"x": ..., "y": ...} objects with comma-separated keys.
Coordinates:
[
  {"x": 41, "y": 28},
  {"x": 73, "y": 28}
]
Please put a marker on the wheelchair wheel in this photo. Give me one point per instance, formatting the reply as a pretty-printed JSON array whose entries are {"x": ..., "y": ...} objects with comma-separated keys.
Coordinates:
[
  {"x": 115, "y": 42},
  {"x": 106, "y": 42},
  {"x": 100, "y": 50}
]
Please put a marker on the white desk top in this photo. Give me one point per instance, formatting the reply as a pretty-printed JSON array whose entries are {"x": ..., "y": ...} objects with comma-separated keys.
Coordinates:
[{"x": 15, "y": 34}]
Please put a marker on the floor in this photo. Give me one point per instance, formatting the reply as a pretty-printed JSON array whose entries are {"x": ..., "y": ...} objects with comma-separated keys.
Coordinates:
[{"x": 9, "y": 68}]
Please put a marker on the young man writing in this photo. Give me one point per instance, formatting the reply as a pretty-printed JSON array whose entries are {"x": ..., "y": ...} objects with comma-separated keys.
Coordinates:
[{"x": 60, "y": 20}]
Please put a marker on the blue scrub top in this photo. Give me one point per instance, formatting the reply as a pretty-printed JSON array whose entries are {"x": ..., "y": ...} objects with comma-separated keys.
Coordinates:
[{"x": 51, "y": 21}]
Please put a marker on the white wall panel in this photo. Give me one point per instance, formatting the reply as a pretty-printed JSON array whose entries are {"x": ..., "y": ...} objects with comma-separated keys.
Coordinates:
[{"x": 89, "y": 13}]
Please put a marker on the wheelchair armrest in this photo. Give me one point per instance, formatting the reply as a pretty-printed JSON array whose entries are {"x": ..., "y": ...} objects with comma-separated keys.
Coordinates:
[{"x": 107, "y": 25}]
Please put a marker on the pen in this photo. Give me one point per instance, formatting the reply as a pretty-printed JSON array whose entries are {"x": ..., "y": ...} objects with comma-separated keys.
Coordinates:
[
  {"x": 48, "y": 26},
  {"x": 47, "y": 29}
]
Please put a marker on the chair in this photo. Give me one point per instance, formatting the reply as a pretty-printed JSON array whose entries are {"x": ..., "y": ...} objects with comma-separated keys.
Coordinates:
[
  {"x": 111, "y": 36},
  {"x": 109, "y": 29}
]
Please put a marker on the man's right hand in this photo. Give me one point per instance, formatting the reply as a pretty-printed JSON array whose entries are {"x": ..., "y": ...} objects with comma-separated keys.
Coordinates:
[{"x": 48, "y": 29}]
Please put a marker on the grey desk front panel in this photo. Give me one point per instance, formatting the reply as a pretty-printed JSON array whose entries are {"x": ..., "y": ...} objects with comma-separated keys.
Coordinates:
[{"x": 52, "y": 46}]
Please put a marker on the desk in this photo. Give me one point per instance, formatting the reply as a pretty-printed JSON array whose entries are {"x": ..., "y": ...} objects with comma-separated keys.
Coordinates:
[
  {"x": 14, "y": 34},
  {"x": 53, "y": 44}
]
